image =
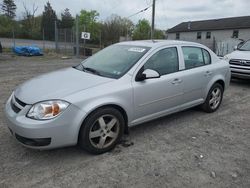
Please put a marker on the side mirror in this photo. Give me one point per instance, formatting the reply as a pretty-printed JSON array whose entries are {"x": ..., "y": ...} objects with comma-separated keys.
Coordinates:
[
  {"x": 147, "y": 74},
  {"x": 235, "y": 48}
]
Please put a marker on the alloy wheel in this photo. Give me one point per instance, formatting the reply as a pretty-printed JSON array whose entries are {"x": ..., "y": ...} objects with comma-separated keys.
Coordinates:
[
  {"x": 104, "y": 131},
  {"x": 215, "y": 98}
]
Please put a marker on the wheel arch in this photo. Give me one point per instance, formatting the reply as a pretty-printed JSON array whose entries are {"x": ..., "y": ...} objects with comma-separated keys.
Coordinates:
[
  {"x": 221, "y": 82},
  {"x": 218, "y": 79},
  {"x": 115, "y": 106}
]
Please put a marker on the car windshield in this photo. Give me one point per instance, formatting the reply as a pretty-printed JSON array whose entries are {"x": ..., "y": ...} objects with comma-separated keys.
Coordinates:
[
  {"x": 245, "y": 46},
  {"x": 113, "y": 61}
]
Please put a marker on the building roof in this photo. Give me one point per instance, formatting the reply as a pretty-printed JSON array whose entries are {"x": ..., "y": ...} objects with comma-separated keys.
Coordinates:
[{"x": 215, "y": 24}]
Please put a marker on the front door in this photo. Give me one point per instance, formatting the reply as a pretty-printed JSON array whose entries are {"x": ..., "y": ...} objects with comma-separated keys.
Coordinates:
[{"x": 154, "y": 97}]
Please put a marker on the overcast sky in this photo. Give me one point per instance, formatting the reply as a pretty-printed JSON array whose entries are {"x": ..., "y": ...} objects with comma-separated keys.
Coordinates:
[{"x": 168, "y": 12}]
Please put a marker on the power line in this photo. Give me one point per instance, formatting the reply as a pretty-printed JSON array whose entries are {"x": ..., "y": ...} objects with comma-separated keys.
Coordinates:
[{"x": 143, "y": 10}]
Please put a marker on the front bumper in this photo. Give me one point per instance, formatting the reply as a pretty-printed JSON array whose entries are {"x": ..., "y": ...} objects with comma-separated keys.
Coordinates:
[{"x": 45, "y": 134}]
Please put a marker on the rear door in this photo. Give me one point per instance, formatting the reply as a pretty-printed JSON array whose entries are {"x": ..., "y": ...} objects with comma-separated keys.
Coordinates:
[{"x": 196, "y": 74}]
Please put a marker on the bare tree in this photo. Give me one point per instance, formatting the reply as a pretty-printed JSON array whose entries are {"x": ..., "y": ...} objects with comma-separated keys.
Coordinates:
[{"x": 29, "y": 17}]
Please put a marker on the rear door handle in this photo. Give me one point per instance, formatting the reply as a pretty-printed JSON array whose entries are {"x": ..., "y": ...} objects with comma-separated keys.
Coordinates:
[
  {"x": 208, "y": 73},
  {"x": 176, "y": 81}
]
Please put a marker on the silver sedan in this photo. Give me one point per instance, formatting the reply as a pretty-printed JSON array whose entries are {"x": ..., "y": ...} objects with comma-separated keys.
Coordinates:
[{"x": 126, "y": 84}]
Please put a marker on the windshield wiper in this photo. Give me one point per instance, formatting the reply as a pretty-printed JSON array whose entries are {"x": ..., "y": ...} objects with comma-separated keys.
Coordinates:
[
  {"x": 243, "y": 49},
  {"x": 88, "y": 69}
]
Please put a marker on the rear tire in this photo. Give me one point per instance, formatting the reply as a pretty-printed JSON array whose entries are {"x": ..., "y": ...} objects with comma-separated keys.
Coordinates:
[
  {"x": 214, "y": 98},
  {"x": 101, "y": 130}
]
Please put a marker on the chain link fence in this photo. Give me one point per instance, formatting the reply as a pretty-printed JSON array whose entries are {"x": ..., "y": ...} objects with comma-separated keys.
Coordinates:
[{"x": 66, "y": 41}]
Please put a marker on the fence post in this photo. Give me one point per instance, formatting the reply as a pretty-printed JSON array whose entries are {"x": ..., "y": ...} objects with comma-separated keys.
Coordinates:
[
  {"x": 43, "y": 41},
  {"x": 77, "y": 36},
  {"x": 13, "y": 37},
  {"x": 56, "y": 37},
  {"x": 214, "y": 45},
  {"x": 72, "y": 40},
  {"x": 84, "y": 41},
  {"x": 65, "y": 40},
  {"x": 100, "y": 40}
]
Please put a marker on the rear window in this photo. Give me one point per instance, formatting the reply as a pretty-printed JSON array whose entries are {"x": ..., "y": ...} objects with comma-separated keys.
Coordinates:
[{"x": 195, "y": 57}]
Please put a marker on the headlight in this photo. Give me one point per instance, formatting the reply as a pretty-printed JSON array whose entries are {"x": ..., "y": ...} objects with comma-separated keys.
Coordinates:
[{"x": 47, "y": 109}]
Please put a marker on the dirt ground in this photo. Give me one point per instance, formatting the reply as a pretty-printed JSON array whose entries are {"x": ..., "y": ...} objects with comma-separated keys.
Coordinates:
[{"x": 187, "y": 149}]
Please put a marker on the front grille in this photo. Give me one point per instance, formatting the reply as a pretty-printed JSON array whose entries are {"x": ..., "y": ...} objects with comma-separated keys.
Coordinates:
[
  {"x": 20, "y": 102},
  {"x": 240, "y": 62},
  {"x": 244, "y": 73},
  {"x": 14, "y": 107},
  {"x": 16, "y": 104}
]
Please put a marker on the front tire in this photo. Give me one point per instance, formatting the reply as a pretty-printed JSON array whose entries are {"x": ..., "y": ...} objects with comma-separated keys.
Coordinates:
[
  {"x": 101, "y": 130},
  {"x": 214, "y": 98}
]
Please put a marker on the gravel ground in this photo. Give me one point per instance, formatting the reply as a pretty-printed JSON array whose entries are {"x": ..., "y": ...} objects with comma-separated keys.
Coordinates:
[{"x": 187, "y": 149}]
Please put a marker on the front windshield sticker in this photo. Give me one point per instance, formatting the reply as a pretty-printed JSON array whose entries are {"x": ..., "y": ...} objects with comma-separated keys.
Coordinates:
[
  {"x": 117, "y": 72},
  {"x": 140, "y": 50}
]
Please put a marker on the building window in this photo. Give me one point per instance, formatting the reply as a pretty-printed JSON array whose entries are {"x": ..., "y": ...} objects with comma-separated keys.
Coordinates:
[
  {"x": 198, "y": 35},
  {"x": 208, "y": 35},
  {"x": 236, "y": 34},
  {"x": 177, "y": 36}
]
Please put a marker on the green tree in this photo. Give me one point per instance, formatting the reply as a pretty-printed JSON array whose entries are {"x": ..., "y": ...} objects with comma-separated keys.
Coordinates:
[
  {"x": 88, "y": 19},
  {"x": 9, "y": 8},
  {"x": 142, "y": 30},
  {"x": 67, "y": 21},
  {"x": 6, "y": 26},
  {"x": 159, "y": 34},
  {"x": 48, "y": 22}
]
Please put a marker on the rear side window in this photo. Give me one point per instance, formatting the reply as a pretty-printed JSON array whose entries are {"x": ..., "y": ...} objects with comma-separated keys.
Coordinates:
[
  {"x": 195, "y": 57},
  {"x": 207, "y": 57},
  {"x": 164, "y": 61}
]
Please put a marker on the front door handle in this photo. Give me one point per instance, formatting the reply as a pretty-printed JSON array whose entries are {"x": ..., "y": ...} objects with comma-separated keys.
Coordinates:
[{"x": 176, "y": 81}]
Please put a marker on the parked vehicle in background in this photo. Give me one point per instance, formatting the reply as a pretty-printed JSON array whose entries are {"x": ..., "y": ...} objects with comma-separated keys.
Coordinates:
[
  {"x": 239, "y": 61},
  {"x": 123, "y": 85}
]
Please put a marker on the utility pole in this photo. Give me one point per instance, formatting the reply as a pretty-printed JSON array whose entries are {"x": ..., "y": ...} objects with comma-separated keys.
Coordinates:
[
  {"x": 77, "y": 36},
  {"x": 153, "y": 20}
]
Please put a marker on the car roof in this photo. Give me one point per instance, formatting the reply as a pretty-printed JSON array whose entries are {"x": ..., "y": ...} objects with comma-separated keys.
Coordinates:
[{"x": 157, "y": 43}]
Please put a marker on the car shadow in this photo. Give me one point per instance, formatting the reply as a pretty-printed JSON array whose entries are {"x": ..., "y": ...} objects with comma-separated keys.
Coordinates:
[{"x": 240, "y": 82}]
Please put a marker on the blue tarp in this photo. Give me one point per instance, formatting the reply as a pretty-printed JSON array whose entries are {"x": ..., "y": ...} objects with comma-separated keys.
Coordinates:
[{"x": 27, "y": 50}]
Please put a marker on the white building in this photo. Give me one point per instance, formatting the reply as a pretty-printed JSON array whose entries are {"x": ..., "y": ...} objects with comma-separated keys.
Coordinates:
[{"x": 212, "y": 32}]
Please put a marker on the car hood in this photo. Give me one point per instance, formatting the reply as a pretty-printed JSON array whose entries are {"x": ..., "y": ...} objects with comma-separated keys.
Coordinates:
[
  {"x": 57, "y": 84},
  {"x": 239, "y": 55}
]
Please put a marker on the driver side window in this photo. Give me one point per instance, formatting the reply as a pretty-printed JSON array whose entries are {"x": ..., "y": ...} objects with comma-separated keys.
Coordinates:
[{"x": 164, "y": 61}]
